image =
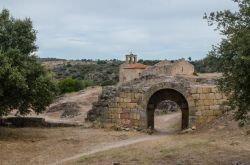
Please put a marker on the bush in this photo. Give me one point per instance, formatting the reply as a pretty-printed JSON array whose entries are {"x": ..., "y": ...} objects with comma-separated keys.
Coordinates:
[
  {"x": 70, "y": 85},
  {"x": 108, "y": 82},
  {"x": 88, "y": 83}
]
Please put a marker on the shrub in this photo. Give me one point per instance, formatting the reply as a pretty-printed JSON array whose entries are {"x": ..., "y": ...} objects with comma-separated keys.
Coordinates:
[
  {"x": 70, "y": 85},
  {"x": 108, "y": 82},
  {"x": 88, "y": 83}
]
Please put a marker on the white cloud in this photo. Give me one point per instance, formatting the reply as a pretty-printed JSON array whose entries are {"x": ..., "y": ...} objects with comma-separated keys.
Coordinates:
[{"x": 154, "y": 29}]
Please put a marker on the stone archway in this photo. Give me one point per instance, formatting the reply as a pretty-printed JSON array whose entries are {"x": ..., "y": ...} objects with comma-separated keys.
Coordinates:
[{"x": 167, "y": 94}]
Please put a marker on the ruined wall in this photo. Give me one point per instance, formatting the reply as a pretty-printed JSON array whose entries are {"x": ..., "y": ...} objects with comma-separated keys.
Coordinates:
[
  {"x": 180, "y": 67},
  {"x": 127, "y": 74},
  {"x": 130, "y": 74},
  {"x": 127, "y": 106}
]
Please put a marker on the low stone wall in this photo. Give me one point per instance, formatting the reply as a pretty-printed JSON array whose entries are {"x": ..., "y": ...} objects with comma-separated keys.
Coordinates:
[
  {"x": 30, "y": 122},
  {"x": 206, "y": 103}
]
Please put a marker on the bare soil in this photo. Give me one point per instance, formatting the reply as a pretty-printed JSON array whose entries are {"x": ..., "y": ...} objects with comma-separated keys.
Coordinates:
[
  {"x": 168, "y": 123},
  {"x": 70, "y": 108}
]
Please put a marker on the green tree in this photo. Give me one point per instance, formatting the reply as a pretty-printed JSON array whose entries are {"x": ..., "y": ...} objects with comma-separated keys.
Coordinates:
[
  {"x": 234, "y": 54},
  {"x": 25, "y": 84}
]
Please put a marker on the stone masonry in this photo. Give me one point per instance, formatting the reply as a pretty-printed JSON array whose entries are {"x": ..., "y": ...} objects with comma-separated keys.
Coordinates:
[{"x": 130, "y": 105}]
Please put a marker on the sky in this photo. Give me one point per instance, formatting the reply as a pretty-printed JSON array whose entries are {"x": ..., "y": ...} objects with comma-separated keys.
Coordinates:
[{"x": 109, "y": 29}]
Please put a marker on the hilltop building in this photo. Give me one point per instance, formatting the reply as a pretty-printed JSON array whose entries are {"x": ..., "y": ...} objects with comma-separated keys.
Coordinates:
[{"x": 131, "y": 70}]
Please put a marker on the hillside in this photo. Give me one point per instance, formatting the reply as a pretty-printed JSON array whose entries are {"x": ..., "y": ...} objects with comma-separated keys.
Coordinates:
[{"x": 106, "y": 72}]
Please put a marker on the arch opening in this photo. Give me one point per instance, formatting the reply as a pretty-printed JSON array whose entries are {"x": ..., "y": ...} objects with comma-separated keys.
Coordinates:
[
  {"x": 167, "y": 117},
  {"x": 170, "y": 95}
]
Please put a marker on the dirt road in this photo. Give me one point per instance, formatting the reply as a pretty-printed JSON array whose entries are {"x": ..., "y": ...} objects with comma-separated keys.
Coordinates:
[{"x": 164, "y": 125}]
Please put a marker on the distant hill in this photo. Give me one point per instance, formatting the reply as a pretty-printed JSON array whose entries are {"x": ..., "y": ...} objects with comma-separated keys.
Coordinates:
[{"x": 106, "y": 72}]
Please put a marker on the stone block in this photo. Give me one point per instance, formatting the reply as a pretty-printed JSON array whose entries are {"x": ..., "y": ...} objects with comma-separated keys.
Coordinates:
[
  {"x": 137, "y": 95},
  {"x": 134, "y": 116},
  {"x": 128, "y": 95},
  {"x": 201, "y": 108},
  {"x": 223, "y": 101},
  {"x": 218, "y": 112},
  {"x": 206, "y": 89},
  {"x": 122, "y": 94},
  {"x": 211, "y": 96},
  {"x": 198, "y": 113},
  {"x": 206, "y": 102},
  {"x": 203, "y": 96},
  {"x": 214, "y": 107},
  {"x": 193, "y": 90},
  {"x": 199, "y": 103},
  {"x": 199, "y": 90},
  {"x": 191, "y": 103},
  {"x": 137, "y": 116},
  {"x": 207, "y": 107},
  {"x": 131, "y": 105},
  {"x": 132, "y": 96},
  {"x": 196, "y": 96},
  {"x": 127, "y": 100},
  {"x": 123, "y": 105},
  {"x": 218, "y": 96},
  {"x": 214, "y": 90},
  {"x": 192, "y": 112},
  {"x": 216, "y": 102}
]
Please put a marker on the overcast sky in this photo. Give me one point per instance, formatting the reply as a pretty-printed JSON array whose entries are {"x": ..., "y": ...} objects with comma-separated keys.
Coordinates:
[{"x": 107, "y": 29}]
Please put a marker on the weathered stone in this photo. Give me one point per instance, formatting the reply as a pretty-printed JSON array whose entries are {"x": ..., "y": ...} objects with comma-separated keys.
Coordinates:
[
  {"x": 214, "y": 90},
  {"x": 199, "y": 103},
  {"x": 199, "y": 89},
  {"x": 203, "y": 96},
  {"x": 196, "y": 96},
  {"x": 130, "y": 104},
  {"x": 206, "y": 89},
  {"x": 218, "y": 96},
  {"x": 214, "y": 107},
  {"x": 127, "y": 100},
  {"x": 193, "y": 90}
]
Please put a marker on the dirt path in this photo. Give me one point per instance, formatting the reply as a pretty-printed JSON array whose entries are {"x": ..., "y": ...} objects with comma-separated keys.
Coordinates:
[
  {"x": 110, "y": 146},
  {"x": 168, "y": 123},
  {"x": 163, "y": 122}
]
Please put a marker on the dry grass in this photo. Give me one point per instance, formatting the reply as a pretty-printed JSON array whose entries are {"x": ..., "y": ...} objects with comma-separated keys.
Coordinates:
[
  {"x": 219, "y": 145},
  {"x": 24, "y": 146}
]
